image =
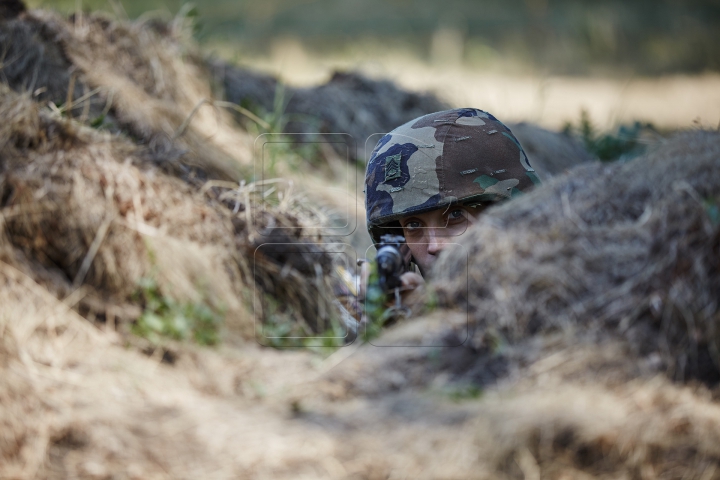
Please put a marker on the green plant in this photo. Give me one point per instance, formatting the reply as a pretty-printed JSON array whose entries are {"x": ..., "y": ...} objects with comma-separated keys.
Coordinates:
[
  {"x": 267, "y": 121},
  {"x": 98, "y": 122},
  {"x": 277, "y": 118},
  {"x": 622, "y": 144},
  {"x": 463, "y": 392},
  {"x": 163, "y": 316},
  {"x": 712, "y": 208},
  {"x": 187, "y": 22},
  {"x": 375, "y": 308},
  {"x": 280, "y": 148}
]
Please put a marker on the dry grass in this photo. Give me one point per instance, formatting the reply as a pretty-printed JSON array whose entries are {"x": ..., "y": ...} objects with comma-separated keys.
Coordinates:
[
  {"x": 146, "y": 78},
  {"x": 86, "y": 213},
  {"x": 576, "y": 408},
  {"x": 82, "y": 206},
  {"x": 126, "y": 219},
  {"x": 77, "y": 404}
]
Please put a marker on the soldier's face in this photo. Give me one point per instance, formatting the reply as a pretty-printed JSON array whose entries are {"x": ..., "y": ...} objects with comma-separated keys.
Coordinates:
[{"x": 427, "y": 234}]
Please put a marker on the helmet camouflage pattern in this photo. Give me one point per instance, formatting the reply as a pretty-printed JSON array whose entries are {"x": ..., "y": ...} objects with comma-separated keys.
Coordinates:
[{"x": 460, "y": 156}]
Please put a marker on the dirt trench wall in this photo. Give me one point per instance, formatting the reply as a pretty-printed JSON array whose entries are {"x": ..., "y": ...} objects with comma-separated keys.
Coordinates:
[
  {"x": 83, "y": 208},
  {"x": 627, "y": 249},
  {"x": 109, "y": 138},
  {"x": 87, "y": 215}
]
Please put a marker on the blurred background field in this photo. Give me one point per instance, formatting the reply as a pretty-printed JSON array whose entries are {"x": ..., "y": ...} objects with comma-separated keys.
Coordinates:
[{"x": 525, "y": 60}]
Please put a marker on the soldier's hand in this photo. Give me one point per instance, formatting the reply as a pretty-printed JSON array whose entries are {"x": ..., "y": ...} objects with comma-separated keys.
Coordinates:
[{"x": 411, "y": 283}]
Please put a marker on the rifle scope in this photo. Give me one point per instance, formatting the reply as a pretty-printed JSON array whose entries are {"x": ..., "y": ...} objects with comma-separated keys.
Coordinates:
[{"x": 390, "y": 261}]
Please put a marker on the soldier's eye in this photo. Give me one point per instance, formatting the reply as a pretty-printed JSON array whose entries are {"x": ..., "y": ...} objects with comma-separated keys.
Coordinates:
[
  {"x": 456, "y": 214},
  {"x": 412, "y": 225}
]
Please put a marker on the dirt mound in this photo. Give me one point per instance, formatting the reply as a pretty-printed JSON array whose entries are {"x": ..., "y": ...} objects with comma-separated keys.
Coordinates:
[
  {"x": 550, "y": 153},
  {"x": 563, "y": 418},
  {"x": 348, "y": 103},
  {"x": 353, "y": 104},
  {"x": 629, "y": 249},
  {"x": 126, "y": 77},
  {"x": 11, "y": 8},
  {"x": 83, "y": 205}
]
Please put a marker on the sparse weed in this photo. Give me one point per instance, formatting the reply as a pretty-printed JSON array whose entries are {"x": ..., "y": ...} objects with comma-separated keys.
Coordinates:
[
  {"x": 623, "y": 144},
  {"x": 165, "y": 317},
  {"x": 375, "y": 308},
  {"x": 712, "y": 208},
  {"x": 286, "y": 150},
  {"x": 187, "y": 22},
  {"x": 464, "y": 392},
  {"x": 277, "y": 118},
  {"x": 98, "y": 122}
]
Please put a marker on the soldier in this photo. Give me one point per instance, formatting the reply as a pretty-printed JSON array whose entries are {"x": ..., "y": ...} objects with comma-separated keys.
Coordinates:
[{"x": 429, "y": 179}]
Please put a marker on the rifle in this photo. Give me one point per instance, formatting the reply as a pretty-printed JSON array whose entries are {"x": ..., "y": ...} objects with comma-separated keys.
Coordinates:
[{"x": 385, "y": 279}]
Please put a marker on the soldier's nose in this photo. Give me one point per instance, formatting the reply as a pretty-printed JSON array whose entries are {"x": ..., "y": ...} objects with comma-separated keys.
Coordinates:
[{"x": 436, "y": 243}]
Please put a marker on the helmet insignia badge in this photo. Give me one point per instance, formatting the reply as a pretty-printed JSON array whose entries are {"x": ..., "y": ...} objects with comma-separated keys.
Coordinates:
[{"x": 392, "y": 167}]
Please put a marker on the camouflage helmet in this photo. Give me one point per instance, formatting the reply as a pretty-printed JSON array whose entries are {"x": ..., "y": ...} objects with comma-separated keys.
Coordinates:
[{"x": 460, "y": 156}]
